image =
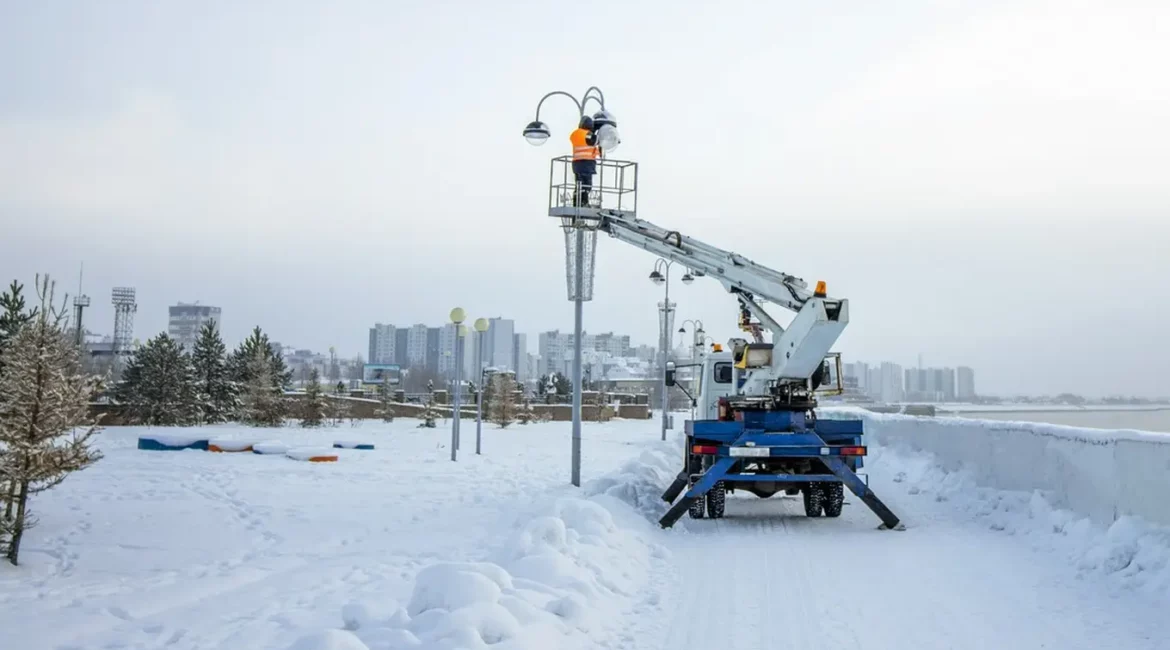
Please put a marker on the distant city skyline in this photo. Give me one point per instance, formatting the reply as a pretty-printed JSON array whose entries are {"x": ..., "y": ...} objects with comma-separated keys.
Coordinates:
[{"x": 432, "y": 347}]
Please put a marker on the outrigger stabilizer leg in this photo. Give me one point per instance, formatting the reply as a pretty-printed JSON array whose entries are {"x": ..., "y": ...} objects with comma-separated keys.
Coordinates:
[
  {"x": 857, "y": 486},
  {"x": 705, "y": 483},
  {"x": 676, "y": 488},
  {"x": 720, "y": 469}
]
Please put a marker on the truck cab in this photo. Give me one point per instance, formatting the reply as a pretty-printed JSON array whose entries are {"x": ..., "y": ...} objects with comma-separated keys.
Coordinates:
[{"x": 717, "y": 378}]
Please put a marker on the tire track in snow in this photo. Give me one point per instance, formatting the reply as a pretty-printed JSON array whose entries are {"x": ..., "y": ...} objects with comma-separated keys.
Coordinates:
[{"x": 767, "y": 577}]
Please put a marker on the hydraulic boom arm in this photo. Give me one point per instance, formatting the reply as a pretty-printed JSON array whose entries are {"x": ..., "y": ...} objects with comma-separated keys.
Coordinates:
[
  {"x": 799, "y": 349},
  {"x": 737, "y": 273}
]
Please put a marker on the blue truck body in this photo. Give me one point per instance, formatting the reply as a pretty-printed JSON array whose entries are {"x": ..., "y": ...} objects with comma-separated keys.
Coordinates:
[{"x": 757, "y": 448}]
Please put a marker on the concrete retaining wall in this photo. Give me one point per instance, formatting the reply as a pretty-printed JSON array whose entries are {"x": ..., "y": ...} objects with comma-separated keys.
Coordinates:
[{"x": 1100, "y": 473}]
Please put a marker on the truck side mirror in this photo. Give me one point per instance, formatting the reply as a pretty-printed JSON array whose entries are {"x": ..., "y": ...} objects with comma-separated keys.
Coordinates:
[{"x": 669, "y": 373}]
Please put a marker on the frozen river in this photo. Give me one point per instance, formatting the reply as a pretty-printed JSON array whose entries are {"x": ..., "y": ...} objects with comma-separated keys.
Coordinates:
[{"x": 1142, "y": 420}]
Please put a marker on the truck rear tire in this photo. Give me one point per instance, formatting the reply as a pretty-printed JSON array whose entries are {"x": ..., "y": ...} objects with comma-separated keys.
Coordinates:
[
  {"x": 813, "y": 500},
  {"x": 697, "y": 507},
  {"x": 833, "y": 499},
  {"x": 716, "y": 500}
]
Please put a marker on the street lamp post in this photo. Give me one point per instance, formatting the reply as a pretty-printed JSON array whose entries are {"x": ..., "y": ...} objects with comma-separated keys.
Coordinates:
[
  {"x": 457, "y": 317},
  {"x": 537, "y": 133},
  {"x": 481, "y": 326},
  {"x": 661, "y": 275},
  {"x": 697, "y": 333}
]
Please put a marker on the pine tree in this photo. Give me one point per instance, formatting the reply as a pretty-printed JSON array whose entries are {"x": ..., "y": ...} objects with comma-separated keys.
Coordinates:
[
  {"x": 428, "y": 416},
  {"x": 158, "y": 385},
  {"x": 563, "y": 386},
  {"x": 503, "y": 403},
  {"x": 429, "y": 413},
  {"x": 526, "y": 413},
  {"x": 313, "y": 411},
  {"x": 45, "y": 427},
  {"x": 263, "y": 401},
  {"x": 242, "y": 366},
  {"x": 386, "y": 402},
  {"x": 216, "y": 395},
  {"x": 12, "y": 319},
  {"x": 338, "y": 410},
  {"x": 13, "y": 316}
]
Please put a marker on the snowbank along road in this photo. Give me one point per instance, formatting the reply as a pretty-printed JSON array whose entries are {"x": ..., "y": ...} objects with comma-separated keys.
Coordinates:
[{"x": 400, "y": 548}]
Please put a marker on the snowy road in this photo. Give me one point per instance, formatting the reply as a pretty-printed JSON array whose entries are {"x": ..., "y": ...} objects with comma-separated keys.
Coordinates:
[{"x": 755, "y": 580}]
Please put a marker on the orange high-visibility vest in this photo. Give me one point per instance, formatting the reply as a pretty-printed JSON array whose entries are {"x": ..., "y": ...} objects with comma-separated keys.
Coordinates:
[{"x": 581, "y": 150}]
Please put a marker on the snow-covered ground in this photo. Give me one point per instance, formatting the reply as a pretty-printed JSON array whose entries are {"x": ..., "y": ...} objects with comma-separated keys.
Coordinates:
[{"x": 399, "y": 547}]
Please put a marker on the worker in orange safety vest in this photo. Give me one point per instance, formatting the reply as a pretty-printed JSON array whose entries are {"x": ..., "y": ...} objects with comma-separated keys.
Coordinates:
[{"x": 585, "y": 155}]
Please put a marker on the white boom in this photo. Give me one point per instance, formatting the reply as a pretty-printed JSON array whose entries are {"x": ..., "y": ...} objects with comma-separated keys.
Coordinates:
[{"x": 798, "y": 350}]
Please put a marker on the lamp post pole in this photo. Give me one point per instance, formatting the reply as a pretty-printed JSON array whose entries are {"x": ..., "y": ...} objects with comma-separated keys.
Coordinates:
[
  {"x": 481, "y": 326},
  {"x": 578, "y": 316},
  {"x": 661, "y": 273},
  {"x": 665, "y": 355},
  {"x": 537, "y": 133},
  {"x": 457, "y": 317},
  {"x": 696, "y": 334}
]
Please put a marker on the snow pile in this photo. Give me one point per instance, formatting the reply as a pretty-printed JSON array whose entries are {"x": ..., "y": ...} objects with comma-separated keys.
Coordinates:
[
  {"x": 311, "y": 453},
  {"x": 172, "y": 441},
  {"x": 226, "y": 443},
  {"x": 563, "y": 581},
  {"x": 270, "y": 447},
  {"x": 330, "y": 640},
  {"x": 640, "y": 482},
  {"x": 1104, "y": 474},
  {"x": 1129, "y": 550}
]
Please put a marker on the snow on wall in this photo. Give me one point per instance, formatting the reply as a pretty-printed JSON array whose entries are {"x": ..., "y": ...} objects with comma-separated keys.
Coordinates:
[{"x": 1100, "y": 473}]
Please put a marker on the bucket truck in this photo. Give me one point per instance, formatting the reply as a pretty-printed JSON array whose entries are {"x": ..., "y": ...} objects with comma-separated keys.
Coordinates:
[{"x": 756, "y": 427}]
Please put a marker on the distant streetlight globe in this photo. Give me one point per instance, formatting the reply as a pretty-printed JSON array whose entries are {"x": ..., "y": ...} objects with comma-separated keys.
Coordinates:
[
  {"x": 458, "y": 315},
  {"x": 481, "y": 324}
]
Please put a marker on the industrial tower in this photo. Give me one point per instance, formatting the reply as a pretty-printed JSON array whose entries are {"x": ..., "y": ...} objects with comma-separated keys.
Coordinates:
[
  {"x": 124, "y": 308},
  {"x": 80, "y": 302},
  {"x": 79, "y": 305}
]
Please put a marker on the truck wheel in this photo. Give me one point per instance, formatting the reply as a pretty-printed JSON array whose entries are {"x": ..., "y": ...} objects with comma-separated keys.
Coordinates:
[
  {"x": 834, "y": 498},
  {"x": 696, "y": 509},
  {"x": 813, "y": 499},
  {"x": 716, "y": 499}
]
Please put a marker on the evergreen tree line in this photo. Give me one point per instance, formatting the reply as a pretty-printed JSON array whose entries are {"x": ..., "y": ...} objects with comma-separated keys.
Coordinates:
[{"x": 165, "y": 385}]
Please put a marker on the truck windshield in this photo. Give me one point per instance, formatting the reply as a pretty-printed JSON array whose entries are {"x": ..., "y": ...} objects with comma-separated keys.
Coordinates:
[{"x": 722, "y": 372}]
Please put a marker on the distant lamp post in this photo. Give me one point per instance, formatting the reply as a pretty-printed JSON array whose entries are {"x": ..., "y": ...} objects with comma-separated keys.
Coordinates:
[
  {"x": 481, "y": 326},
  {"x": 696, "y": 343},
  {"x": 661, "y": 276},
  {"x": 457, "y": 317}
]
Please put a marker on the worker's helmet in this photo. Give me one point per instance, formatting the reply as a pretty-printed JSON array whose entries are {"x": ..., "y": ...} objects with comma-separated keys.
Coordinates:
[{"x": 586, "y": 123}]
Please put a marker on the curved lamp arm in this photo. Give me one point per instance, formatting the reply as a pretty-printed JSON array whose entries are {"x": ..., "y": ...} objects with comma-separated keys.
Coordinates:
[
  {"x": 579, "y": 105},
  {"x": 600, "y": 96}
]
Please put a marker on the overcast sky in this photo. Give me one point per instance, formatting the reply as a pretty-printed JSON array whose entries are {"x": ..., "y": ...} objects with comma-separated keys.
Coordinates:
[{"x": 987, "y": 182}]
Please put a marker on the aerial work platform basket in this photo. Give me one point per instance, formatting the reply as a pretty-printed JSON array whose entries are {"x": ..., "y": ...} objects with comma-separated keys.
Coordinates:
[
  {"x": 614, "y": 192},
  {"x": 615, "y": 189}
]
